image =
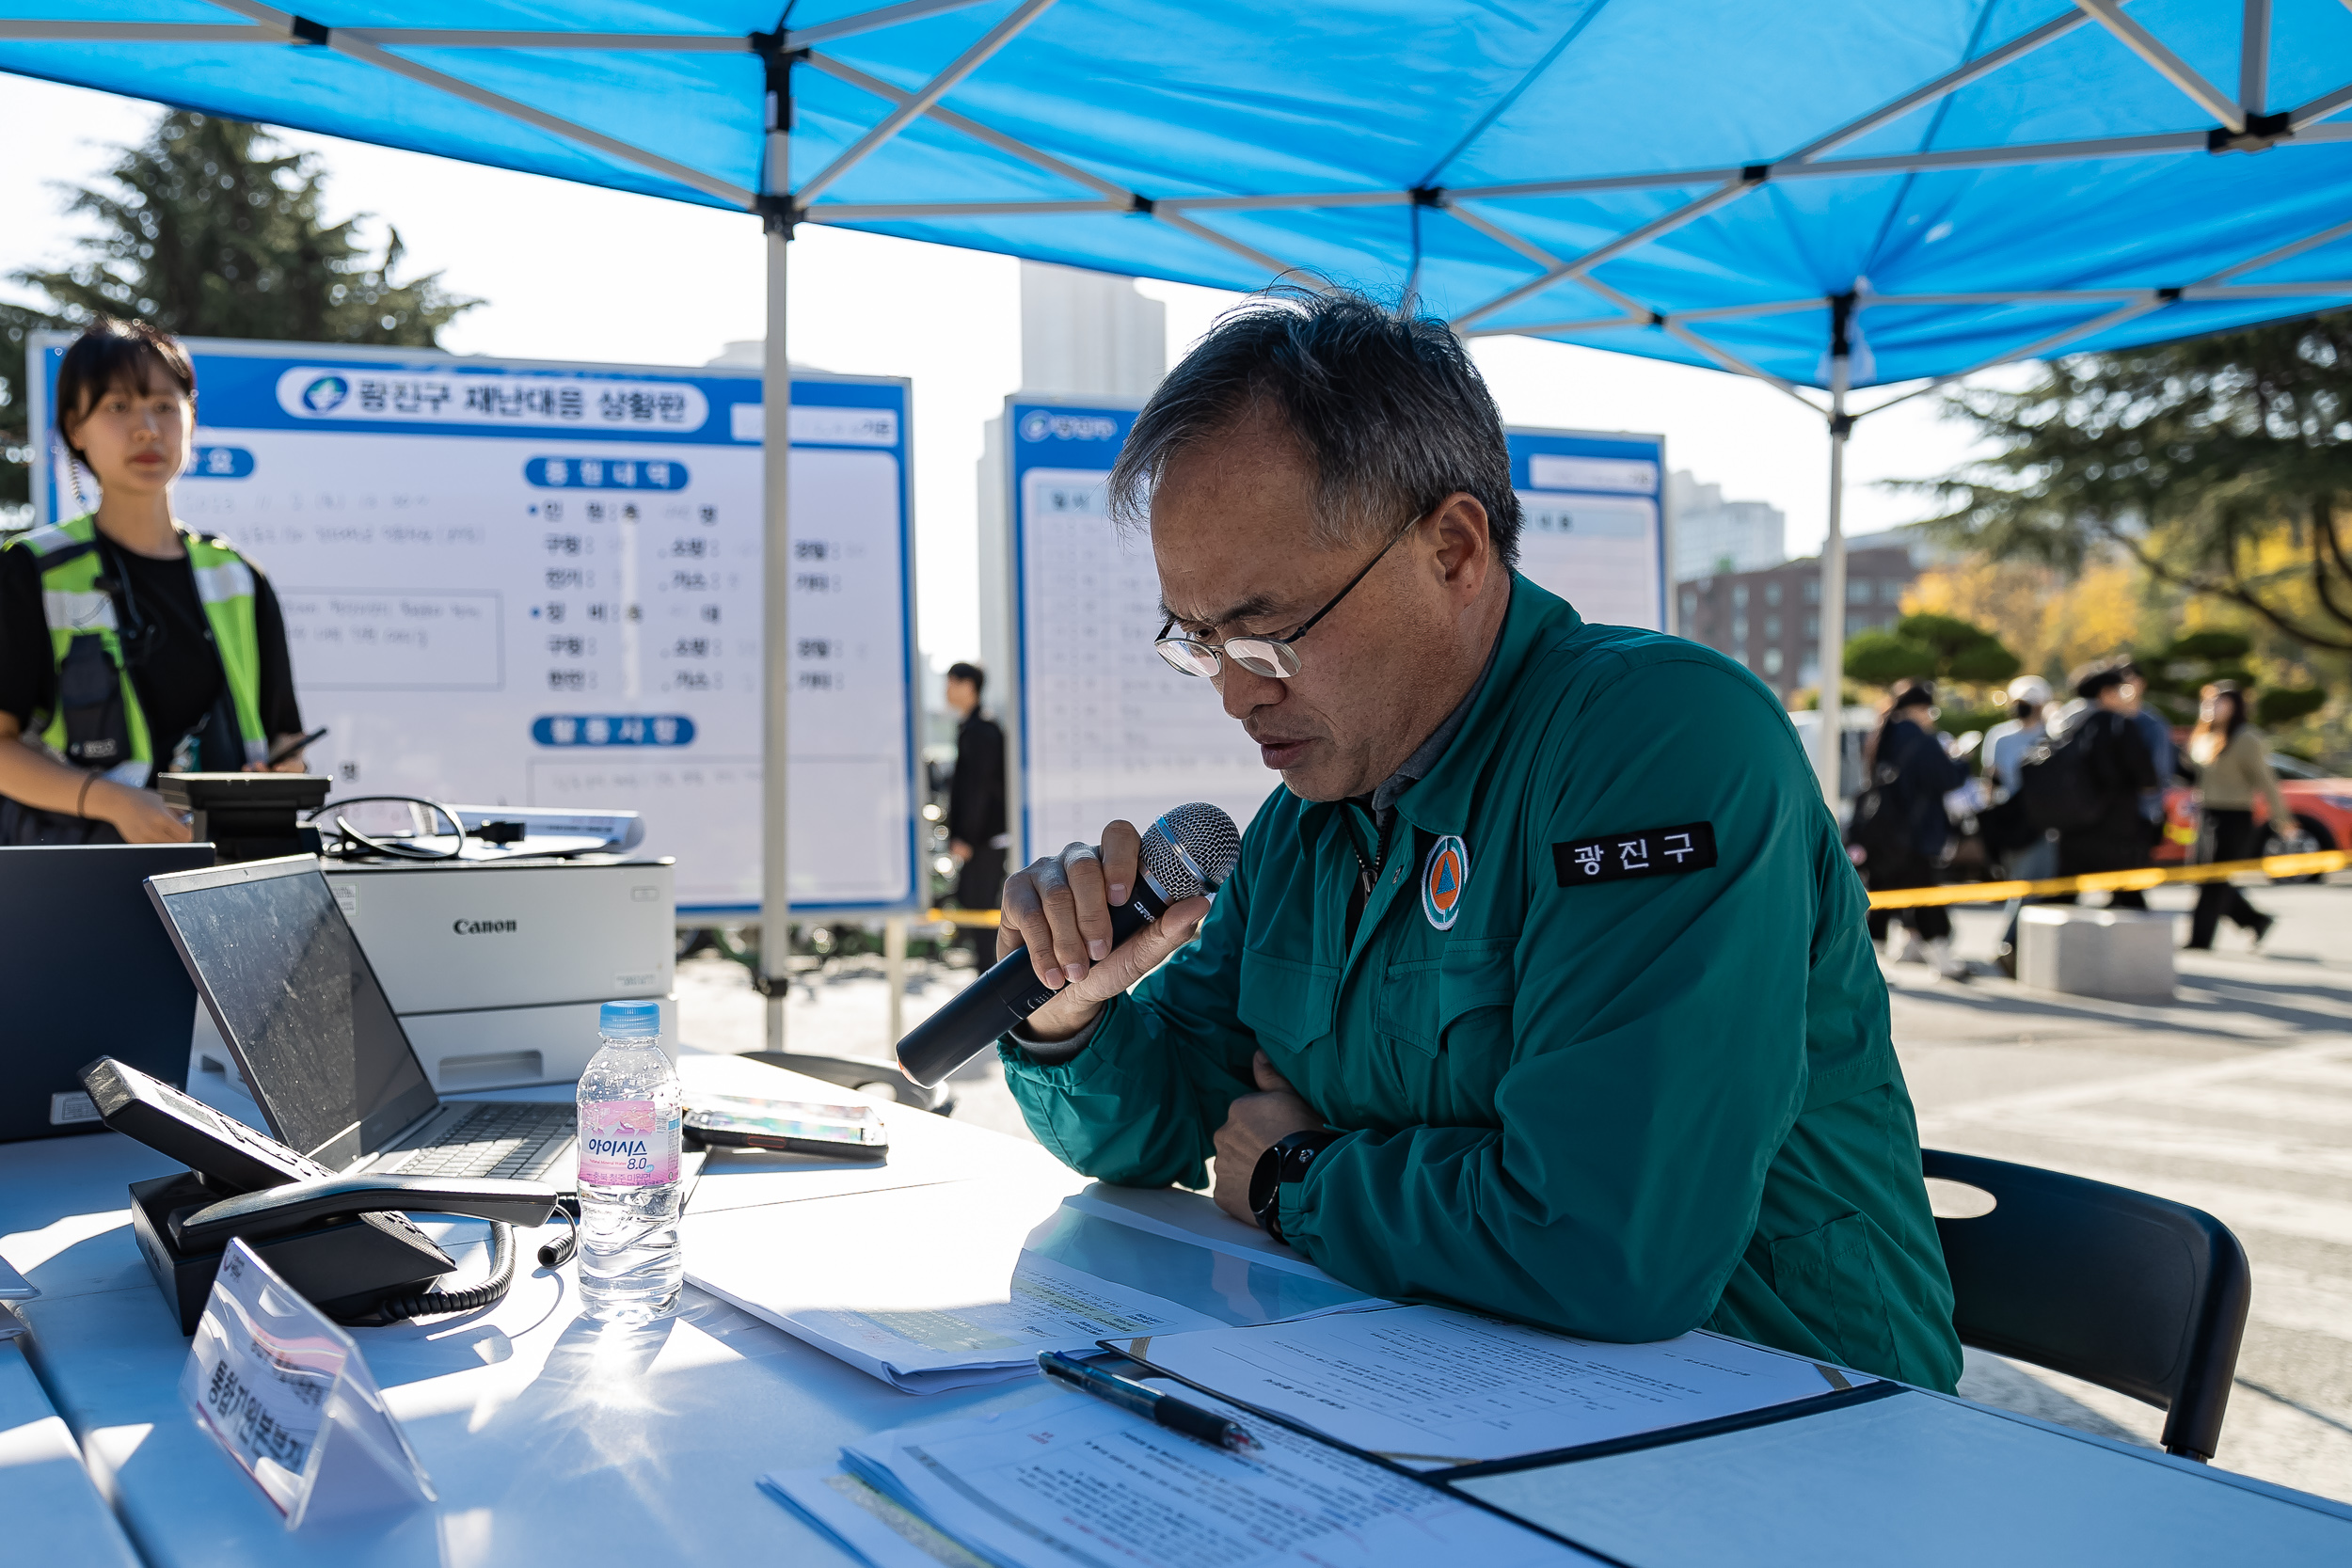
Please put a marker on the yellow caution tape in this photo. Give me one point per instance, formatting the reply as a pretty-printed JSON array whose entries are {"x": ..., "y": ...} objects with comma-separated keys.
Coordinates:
[
  {"x": 2311, "y": 864},
  {"x": 2110, "y": 882},
  {"x": 964, "y": 917}
]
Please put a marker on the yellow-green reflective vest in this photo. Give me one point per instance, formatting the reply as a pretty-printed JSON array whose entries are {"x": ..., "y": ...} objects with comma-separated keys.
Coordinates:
[{"x": 76, "y": 607}]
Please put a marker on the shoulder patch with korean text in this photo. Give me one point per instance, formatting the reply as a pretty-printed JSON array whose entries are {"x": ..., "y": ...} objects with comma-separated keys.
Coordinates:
[{"x": 1644, "y": 852}]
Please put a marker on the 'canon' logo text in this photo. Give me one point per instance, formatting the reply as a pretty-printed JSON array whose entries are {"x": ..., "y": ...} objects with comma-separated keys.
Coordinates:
[{"x": 480, "y": 928}]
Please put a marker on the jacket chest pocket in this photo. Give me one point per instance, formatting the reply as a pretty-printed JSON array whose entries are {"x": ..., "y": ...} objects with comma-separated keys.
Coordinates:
[
  {"x": 1459, "y": 1000},
  {"x": 1285, "y": 1002}
]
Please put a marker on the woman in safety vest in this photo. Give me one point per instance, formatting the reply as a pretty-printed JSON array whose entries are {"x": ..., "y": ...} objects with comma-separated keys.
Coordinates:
[{"x": 130, "y": 644}]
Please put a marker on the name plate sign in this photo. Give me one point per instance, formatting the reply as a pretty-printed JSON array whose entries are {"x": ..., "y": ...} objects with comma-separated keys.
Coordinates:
[{"x": 285, "y": 1391}]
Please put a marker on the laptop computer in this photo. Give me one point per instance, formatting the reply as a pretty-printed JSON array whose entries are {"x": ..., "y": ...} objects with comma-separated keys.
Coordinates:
[
  {"x": 86, "y": 970},
  {"x": 326, "y": 1057}
]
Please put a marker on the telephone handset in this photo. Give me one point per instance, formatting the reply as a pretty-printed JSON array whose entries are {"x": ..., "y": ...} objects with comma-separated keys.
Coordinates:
[{"x": 343, "y": 1242}]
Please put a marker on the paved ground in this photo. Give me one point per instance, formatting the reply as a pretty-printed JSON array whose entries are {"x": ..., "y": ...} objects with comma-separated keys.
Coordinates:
[{"x": 2237, "y": 1098}]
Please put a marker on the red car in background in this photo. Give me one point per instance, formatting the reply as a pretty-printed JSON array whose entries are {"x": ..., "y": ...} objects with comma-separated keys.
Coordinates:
[{"x": 2322, "y": 805}]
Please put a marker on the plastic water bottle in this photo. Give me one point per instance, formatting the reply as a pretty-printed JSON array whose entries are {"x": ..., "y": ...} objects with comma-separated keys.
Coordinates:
[{"x": 630, "y": 1107}]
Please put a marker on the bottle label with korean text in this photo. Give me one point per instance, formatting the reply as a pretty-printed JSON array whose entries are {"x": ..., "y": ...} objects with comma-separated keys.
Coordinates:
[{"x": 628, "y": 1143}]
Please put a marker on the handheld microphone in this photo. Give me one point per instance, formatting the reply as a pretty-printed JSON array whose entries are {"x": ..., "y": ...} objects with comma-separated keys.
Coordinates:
[{"x": 1189, "y": 851}]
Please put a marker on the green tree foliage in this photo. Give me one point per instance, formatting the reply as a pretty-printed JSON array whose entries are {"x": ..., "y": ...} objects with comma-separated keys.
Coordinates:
[
  {"x": 2178, "y": 673},
  {"x": 212, "y": 228},
  {"x": 2282, "y": 705},
  {"x": 1926, "y": 646},
  {"x": 2218, "y": 464}
]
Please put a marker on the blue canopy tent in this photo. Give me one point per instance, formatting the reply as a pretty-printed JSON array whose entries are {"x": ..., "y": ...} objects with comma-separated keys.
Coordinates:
[{"x": 1828, "y": 196}]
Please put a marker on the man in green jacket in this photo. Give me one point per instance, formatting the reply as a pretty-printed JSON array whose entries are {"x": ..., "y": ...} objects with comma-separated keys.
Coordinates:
[{"x": 1542, "y": 986}]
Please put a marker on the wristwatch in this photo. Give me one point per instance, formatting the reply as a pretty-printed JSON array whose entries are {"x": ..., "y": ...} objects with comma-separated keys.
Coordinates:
[{"x": 1285, "y": 1160}]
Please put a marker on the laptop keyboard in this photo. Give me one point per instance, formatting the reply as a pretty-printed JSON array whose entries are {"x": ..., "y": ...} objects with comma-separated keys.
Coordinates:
[{"x": 516, "y": 1140}]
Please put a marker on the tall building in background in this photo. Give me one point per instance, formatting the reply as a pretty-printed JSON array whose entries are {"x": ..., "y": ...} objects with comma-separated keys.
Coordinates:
[
  {"x": 1089, "y": 334},
  {"x": 1712, "y": 535}
]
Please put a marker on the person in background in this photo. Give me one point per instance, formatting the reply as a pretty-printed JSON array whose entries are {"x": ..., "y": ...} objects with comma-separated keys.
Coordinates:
[
  {"x": 2007, "y": 742},
  {"x": 1907, "y": 759},
  {"x": 2120, "y": 771},
  {"x": 2006, "y": 746},
  {"x": 975, "y": 806},
  {"x": 2155, "y": 733},
  {"x": 130, "y": 644},
  {"x": 2234, "y": 768}
]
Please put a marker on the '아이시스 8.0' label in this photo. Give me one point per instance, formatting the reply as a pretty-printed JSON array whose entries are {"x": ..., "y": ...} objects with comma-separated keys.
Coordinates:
[{"x": 628, "y": 1143}]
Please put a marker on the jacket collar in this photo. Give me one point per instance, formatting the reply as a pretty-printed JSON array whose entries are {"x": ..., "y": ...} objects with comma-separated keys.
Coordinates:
[{"x": 1441, "y": 801}]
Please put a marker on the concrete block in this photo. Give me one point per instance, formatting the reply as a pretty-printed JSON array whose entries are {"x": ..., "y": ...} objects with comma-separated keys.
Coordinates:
[{"x": 2117, "y": 954}]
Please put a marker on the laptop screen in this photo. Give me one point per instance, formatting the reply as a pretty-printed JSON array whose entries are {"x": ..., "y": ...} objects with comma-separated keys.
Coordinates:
[{"x": 293, "y": 997}]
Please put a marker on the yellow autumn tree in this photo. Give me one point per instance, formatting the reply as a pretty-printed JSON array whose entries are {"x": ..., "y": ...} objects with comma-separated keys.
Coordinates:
[{"x": 2051, "y": 620}]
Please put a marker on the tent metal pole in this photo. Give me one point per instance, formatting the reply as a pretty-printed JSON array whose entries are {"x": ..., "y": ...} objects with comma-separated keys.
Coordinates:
[
  {"x": 2173, "y": 69},
  {"x": 775, "y": 645},
  {"x": 1832, "y": 687},
  {"x": 355, "y": 46},
  {"x": 931, "y": 92},
  {"x": 2253, "y": 60},
  {"x": 1753, "y": 177}
]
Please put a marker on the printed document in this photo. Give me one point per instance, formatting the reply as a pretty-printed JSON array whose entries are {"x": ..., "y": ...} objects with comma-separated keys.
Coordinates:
[
  {"x": 1432, "y": 1389},
  {"x": 963, "y": 1282},
  {"x": 1073, "y": 1482}
]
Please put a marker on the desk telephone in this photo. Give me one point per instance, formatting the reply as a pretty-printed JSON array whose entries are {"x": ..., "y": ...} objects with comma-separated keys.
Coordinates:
[{"x": 342, "y": 1241}]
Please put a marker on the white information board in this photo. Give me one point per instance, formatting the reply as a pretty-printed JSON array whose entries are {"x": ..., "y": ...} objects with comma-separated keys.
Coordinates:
[
  {"x": 531, "y": 583},
  {"x": 1592, "y": 524},
  {"x": 1098, "y": 727}
]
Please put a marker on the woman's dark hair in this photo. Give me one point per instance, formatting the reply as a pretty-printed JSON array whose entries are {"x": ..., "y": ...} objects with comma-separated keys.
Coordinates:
[
  {"x": 1387, "y": 407},
  {"x": 111, "y": 353},
  {"x": 2235, "y": 695}
]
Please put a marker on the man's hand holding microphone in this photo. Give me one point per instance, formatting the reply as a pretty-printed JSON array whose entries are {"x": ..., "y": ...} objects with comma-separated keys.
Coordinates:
[{"x": 1059, "y": 909}]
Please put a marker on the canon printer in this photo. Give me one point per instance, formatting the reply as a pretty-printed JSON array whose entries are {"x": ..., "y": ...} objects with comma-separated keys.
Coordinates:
[{"x": 496, "y": 968}]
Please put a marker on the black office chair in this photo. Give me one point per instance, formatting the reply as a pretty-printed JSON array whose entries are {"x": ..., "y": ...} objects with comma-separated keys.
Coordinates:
[{"x": 2129, "y": 1291}]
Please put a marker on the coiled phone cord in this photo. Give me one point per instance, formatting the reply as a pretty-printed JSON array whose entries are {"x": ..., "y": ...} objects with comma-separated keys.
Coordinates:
[{"x": 429, "y": 1304}]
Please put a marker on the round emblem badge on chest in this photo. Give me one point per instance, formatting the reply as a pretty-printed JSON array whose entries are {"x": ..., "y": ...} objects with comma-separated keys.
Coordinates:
[{"x": 1443, "y": 877}]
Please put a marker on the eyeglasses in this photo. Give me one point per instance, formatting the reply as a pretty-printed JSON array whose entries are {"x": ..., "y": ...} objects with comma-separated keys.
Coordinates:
[{"x": 1271, "y": 657}]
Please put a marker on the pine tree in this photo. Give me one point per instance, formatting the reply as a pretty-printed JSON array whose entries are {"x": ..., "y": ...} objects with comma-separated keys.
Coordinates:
[
  {"x": 2218, "y": 465},
  {"x": 212, "y": 228}
]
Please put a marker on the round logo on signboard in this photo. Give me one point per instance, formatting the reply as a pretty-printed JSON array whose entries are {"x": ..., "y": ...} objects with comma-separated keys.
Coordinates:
[
  {"x": 1037, "y": 425},
  {"x": 326, "y": 395},
  {"x": 1443, "y": 877}
]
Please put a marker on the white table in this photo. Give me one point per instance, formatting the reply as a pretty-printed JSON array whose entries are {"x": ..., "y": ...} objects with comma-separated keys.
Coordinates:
[{"x": 551, "y": 1441}]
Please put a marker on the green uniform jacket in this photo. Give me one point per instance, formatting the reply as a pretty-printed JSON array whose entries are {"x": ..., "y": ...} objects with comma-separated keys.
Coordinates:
[{"x": 1620, "y": 1108}]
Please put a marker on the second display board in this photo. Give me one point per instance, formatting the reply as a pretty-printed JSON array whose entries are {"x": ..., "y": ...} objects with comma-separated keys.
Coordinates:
[{"x": 1102, "y": 729}]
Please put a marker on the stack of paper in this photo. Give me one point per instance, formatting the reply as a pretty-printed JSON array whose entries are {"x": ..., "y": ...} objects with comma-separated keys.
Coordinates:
[
  {"x": 960, "y": 1283},
  {"x": 1072, "y": 1481},
  {"x": 1431, "y": 1388}
]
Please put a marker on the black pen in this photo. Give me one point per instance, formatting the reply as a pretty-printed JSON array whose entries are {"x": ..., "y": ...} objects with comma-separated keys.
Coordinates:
[
  {"x": 1169, "y": 1412},
  {"x": 293, "y": 747}
]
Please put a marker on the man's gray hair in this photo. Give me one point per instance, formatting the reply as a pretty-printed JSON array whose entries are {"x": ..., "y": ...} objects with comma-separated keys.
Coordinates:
[{"x": 1387, "y": 406}]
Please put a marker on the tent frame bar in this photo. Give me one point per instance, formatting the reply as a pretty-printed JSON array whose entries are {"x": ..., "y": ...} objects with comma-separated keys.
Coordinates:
[
  {"x": 1755, "y": 176},
  {"x": 2253, "y": 60},
  {"x": 311, "y": 36},
  {"x": 475, "y": 38},
  {"x": 2141, "y": 42},
  {"x": 929, "y": 93},
  {"x": 1116, "y": 197}
]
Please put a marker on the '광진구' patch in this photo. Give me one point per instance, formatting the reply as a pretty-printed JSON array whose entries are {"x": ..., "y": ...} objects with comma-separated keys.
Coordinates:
[{"x": 1644, "y": 852}]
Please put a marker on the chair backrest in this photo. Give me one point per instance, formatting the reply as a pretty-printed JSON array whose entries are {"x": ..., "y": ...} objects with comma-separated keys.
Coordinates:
[{"x": 2133, "y": 1292}]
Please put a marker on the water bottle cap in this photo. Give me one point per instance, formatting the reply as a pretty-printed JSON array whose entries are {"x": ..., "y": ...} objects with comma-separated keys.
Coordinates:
[{"x": 630, "y": 1020}]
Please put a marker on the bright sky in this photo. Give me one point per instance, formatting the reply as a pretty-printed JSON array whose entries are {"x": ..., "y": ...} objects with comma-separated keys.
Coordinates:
[{"x": 576, "y": 273}]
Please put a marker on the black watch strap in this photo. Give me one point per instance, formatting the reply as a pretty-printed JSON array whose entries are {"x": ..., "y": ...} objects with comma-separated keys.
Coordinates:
[{"x": 1285, "y": 1160}]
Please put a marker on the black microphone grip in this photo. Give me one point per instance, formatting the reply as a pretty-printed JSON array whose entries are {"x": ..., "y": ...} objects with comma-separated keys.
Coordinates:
[{"x": 1005, "y": 995}]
